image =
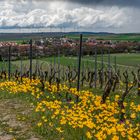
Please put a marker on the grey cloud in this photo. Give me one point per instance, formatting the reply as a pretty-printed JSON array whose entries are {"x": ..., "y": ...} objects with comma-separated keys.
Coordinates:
[
  {"x": 64, "y": 13},
  {"x": 130, "y": 3},
  {"x": 80, "y": 17}
]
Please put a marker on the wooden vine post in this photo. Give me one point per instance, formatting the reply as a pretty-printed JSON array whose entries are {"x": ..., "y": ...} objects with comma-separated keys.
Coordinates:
[
  {"x": 138, "y": 82},
  {"x": 79, "y": 66},
  {"x": 95, "y": 69},
  {"x": 9, "y": 63},
  {"x": 31, "y": 55}
]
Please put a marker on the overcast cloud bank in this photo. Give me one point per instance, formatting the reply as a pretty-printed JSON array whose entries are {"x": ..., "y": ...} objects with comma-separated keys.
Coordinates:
[{"x": 94, "y": 15}]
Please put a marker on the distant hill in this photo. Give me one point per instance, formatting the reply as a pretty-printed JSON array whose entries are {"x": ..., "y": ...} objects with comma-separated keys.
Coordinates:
[{"x": 28, "y": 36}]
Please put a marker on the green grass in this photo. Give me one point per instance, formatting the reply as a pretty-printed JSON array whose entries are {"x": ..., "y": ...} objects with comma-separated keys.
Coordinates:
[
  {"x": 47, "y": 132},
  {"x": 117, "y": 37},
  {"x": 130, "y": 62},
  {"x": 18, "y": 40},
  {"x": 5, "y": 65},
  {"x": 123, "y": 60}
]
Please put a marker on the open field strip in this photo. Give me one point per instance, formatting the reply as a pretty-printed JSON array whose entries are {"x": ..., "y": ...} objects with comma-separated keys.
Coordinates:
[
  {"x": 55, "y": 117},
  {"x": 123, "y": 60}
]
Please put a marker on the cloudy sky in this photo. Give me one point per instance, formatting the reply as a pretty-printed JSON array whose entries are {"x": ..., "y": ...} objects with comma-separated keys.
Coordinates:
[{"x": 71, "y": 15}]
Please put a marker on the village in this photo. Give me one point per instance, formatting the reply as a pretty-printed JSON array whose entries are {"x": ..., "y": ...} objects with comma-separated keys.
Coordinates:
[{"x": 50, "y": 46}]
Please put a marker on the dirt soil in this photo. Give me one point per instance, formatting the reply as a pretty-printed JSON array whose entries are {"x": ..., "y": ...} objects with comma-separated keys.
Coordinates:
[{"x": 15, "y": 122}]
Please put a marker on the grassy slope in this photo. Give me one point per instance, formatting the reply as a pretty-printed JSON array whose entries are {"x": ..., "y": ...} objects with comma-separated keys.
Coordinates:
[
  {"x": 22, "y": 113},
  {"x": 119, "y": 37},
  {"x": 124, "y": 61}
]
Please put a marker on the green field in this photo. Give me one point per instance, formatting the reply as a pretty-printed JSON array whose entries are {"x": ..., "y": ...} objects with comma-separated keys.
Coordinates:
[
  {"x": 24, "y": 98},
  {"x": 115, "y": 37},
  {"x": 131, "y": 60},
  {"x": 124, "y": 61},
  {"x": 18, "y": 37}
]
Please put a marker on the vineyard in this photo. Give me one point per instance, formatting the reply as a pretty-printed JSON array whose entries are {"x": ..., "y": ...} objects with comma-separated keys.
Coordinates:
[{"x": 76, "y": 97}]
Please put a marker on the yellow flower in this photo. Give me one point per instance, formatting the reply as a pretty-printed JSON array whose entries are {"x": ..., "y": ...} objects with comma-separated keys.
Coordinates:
[
  {"x": 133, "y": 116},
  {"x": 39, "y": 124},
  {"x": 59, "y": 129},
  {"x": 123, "y": 134},
  {"x": 130, "y": 84},
  {"x": 117, "y": 97},
  {"x": 43, "y": 117},
  {"x": 88, "y": 134},
  {"x": 63, "y": 122},
  {"x": 130, "y": 138},
  {"x": 10, "y": 130},
  {"x": 50, "y": 124},
  {"x": 123, "y": 110},
  {"x": 45, "y": 120},
  {"x": 127, "y": 122},
  {"x": 115, "y": 138}
]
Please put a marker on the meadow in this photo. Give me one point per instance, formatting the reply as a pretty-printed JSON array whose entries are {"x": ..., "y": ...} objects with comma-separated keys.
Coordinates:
[
  {"x": 125, "y": 60},
  {"x": 49, "y": 106},
  {"x": 51, "y": 109},
  {"x": 56, "y": 117},
  {"x": 106, "y": 36}
]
